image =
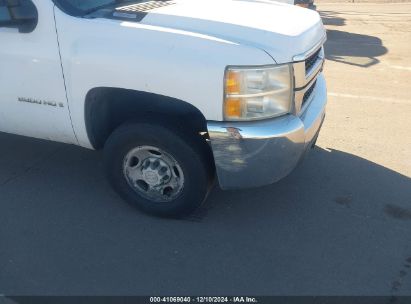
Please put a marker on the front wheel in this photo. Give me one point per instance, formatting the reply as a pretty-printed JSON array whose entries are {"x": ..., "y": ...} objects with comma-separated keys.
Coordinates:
[{"x": 157, "y": 169}]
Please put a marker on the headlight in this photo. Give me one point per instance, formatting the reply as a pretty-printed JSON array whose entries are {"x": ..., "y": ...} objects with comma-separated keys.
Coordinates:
[{"x": 257, "y": 92}]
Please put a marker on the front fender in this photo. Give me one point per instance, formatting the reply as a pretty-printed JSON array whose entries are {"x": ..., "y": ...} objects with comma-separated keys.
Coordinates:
[{"x": 178, "y": 64}]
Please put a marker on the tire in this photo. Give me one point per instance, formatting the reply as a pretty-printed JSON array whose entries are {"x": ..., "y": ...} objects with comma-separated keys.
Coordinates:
[{"x": 183, "y": 159}]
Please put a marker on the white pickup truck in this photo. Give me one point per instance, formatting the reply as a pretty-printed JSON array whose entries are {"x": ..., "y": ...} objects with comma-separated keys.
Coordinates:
[{"x": 176, "y": 92}]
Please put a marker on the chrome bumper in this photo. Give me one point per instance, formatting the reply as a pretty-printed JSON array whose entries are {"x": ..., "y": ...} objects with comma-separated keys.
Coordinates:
[{"x": 252, "y": 154}]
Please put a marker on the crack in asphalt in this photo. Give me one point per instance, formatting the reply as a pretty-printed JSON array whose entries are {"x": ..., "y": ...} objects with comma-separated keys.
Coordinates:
[
  {"x": 30, "y": 167},
  {"x": 399, "y": 280}
]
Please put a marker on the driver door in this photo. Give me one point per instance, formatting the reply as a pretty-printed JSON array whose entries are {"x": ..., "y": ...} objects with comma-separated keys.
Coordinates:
[{"x": 33, "y": 99}]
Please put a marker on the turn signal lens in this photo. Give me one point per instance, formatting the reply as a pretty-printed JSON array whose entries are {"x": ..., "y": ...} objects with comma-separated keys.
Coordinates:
[
  {"x": 232, "y": 82},
  {"x": 233, "y": 107}
]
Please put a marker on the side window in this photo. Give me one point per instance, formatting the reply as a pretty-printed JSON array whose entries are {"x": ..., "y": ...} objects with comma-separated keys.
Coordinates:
[{"x": 20, "y": 14}]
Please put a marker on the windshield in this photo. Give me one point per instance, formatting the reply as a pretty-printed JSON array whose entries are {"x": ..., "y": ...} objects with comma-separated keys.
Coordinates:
[
  {"x": 81, "y": 7},
  {"x": 86, "y": 5}
]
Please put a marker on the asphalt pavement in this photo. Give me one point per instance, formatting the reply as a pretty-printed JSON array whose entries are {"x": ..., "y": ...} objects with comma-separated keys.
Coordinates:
[{"x": 340, "y": 224}]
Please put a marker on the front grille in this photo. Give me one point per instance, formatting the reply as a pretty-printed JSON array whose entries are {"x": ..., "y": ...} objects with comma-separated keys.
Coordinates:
[
  {"x": 308, "y": 94},
  {"x": 145, "y": 6},
  {"x": 307, "y": 68},
  {"x": 310, "y": 61}
]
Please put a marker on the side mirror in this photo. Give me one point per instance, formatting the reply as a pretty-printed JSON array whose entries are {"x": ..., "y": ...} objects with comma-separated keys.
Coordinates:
[{"x": 21, "y": 14}]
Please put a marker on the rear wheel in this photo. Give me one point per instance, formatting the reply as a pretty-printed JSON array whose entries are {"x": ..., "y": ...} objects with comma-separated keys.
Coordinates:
[{"x": 158, "y": 169}]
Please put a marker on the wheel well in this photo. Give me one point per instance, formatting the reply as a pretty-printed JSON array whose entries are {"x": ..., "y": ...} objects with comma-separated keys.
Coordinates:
[{"x": 108, "y": 108}]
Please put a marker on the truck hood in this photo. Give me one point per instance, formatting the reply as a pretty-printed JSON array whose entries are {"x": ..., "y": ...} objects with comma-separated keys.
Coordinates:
[{"x": 279, "y": 29}]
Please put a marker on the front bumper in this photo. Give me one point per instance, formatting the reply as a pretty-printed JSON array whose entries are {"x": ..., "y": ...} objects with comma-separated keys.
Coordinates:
[{"x": 257, "y": 153}]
